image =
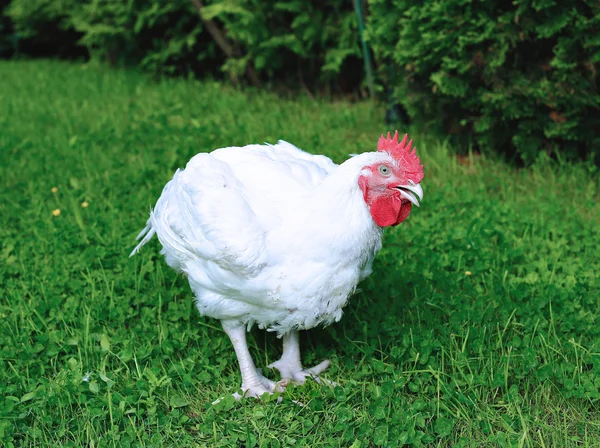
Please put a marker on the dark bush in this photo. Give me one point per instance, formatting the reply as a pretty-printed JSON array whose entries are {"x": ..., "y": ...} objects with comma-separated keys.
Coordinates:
[
  {"x": 8, "y": 40},
  {"x": 515, "y": 76},
  {"x": 42, "y": 33},
  {"x": 518, "y": 77},
  {"x": 307, "y": 41},
  {"x": 161, "y": 37}
]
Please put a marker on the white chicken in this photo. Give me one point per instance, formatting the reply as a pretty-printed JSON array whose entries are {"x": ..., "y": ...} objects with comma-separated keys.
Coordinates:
[{"x": 274, "y": 236}]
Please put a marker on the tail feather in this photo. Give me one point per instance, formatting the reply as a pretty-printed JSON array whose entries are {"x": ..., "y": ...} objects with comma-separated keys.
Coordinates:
[{"x": 147, "y": 233}]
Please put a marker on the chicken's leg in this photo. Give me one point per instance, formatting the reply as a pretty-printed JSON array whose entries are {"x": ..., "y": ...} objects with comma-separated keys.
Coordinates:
[
  {"x": 289, "y": 365},
  {"x": 254, "y": 384}
]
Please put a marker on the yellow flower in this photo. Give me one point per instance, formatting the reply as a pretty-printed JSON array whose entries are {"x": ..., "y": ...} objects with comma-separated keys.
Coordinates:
[
  {"x": 56, "y": 212},
  {"x": 468, "y": 273},
  {"x": 84, "y": 204},
  {"x": 54, "y": 189}
]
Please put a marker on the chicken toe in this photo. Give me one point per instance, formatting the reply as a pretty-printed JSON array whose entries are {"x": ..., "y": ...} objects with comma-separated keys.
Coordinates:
[
  {"x": 298, "y": 374},
  {"x": 255, "y": 390},
  {"x": 289, "y": 364}
]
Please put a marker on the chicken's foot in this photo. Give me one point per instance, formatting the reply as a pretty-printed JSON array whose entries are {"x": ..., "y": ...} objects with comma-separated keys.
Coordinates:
[
  {"x": 254, "y": 384},
  {"x": 289, "y": 364}
]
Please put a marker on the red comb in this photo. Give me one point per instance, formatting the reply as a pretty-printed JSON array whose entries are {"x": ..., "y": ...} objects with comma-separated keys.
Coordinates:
[{"x": 409, "y": 161}]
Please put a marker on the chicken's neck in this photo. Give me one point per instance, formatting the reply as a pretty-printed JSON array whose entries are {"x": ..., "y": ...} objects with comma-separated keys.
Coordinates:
[{"x": 334, "y": 218}]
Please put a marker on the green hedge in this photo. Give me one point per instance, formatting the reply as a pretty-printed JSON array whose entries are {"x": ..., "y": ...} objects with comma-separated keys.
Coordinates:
[
  {"x": 515, "y": 75},
  {"x": 295, "y": 38},
  {"x": 7, "y": 35},
  {"x": 161, "y": 37}
]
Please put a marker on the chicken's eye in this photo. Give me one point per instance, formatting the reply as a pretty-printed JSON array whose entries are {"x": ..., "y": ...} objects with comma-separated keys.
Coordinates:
[{"x": 384, "y": 170}]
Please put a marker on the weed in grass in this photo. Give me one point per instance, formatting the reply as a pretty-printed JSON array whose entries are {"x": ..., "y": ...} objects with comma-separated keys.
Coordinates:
[{"x": 478, "y": 327}]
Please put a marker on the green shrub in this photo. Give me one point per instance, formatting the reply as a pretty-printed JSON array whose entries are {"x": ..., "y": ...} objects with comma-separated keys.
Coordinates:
[
  {"x": 513, "y": 76},
  {"x": 306, "y": 41},
  {"x": 7, "y": 36},
  {"x": 518, "y": 77},
  {"x": 161, "y": 37},
  {"x": 289, "y": 37},
  {"x": 40, "y": 31}
]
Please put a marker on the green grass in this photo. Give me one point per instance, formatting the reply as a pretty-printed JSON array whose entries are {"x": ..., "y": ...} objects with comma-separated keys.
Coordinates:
[{"x": 479, "y": 326}]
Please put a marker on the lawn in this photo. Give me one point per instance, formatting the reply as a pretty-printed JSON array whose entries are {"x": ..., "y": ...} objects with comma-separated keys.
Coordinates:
[{"x": 479, "y": 326}]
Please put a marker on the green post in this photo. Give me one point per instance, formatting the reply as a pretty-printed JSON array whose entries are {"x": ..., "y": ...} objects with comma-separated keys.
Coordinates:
[{"x": 365, "y": 49}]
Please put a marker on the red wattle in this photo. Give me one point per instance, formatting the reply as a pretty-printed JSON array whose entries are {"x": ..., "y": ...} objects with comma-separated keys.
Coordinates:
[
  {"x": 404, "y": 212},
  {"x": 386, "y": 210}
]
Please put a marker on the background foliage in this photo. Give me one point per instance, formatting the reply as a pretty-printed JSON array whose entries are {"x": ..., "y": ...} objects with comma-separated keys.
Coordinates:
[
  {"x": 518, "y": 77},
  {"x": 160, "y": 37},
  {"x": 281, "y": 39},
  {"x": 510, "y": 75}
]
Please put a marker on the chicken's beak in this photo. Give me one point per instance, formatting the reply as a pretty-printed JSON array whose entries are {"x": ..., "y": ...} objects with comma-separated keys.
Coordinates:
[{"x": 411, "y": 192}]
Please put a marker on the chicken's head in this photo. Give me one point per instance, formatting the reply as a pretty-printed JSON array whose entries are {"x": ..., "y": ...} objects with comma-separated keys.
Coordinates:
[{"x": 391, "y": 185}]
